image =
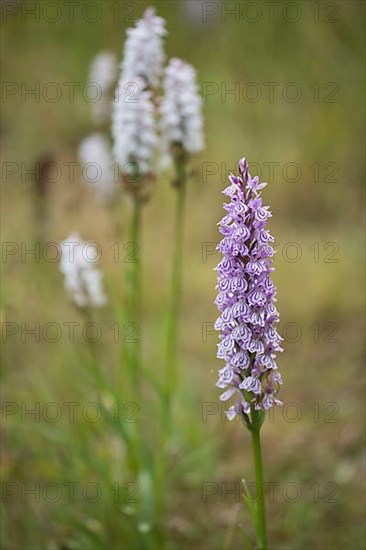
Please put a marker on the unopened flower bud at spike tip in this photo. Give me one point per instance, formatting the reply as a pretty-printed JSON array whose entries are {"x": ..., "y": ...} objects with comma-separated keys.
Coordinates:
[
  {"x": 244, "y": 169},
  {"x": 248, "y": 338}
]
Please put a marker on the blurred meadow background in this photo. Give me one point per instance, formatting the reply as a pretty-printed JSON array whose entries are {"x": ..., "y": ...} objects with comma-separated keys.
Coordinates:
[{"x": 311, "y": 132}]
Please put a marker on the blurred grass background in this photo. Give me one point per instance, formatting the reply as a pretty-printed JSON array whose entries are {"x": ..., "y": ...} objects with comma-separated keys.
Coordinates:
[{"x": 305, "y": 212}]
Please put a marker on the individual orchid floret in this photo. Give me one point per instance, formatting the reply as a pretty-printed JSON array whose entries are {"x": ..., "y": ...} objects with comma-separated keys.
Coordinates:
[
  {"x": 181, "y": 109},
  {"x": 143, "y": 52},
  {"x": 103, "y": 74},
  {"x": 134, "y": 128},
  {"x": 246, "y": 299},
  {"x": 97, "y": 166},
  {"x": 83, "y": 281}
]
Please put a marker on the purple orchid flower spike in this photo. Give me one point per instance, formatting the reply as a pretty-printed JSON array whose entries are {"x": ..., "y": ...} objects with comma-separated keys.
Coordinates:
[{"x": 246, "y": 299}]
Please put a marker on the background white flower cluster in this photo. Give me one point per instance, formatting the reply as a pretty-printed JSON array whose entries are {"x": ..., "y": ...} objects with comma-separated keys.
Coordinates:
[
  {"x": 146, "y": 125},
  {"x": 153, "y": 110}
]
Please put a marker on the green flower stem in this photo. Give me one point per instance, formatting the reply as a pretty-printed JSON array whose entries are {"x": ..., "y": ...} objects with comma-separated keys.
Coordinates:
[
  {"x": 130, "y": 351},
  {"x": 133, "y": 298},
  {"x": 172, "y": 326},
  {"x": 171, "y": 363},
  {"x": 257, "y": 421}
]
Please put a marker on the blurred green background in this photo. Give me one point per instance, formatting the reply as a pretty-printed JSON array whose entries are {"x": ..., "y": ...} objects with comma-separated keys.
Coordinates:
[{"x": 316, "y": 441}]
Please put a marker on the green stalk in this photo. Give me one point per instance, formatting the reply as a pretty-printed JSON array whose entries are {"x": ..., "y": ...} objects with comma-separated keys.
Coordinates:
[
  {"x": 133, "y": 299},
  {"x": 172, "y": 326},
  {"x": 257, "y": 421},
  {"x": 130, "y": 351},
  {"x": 171, "y": 362}
]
